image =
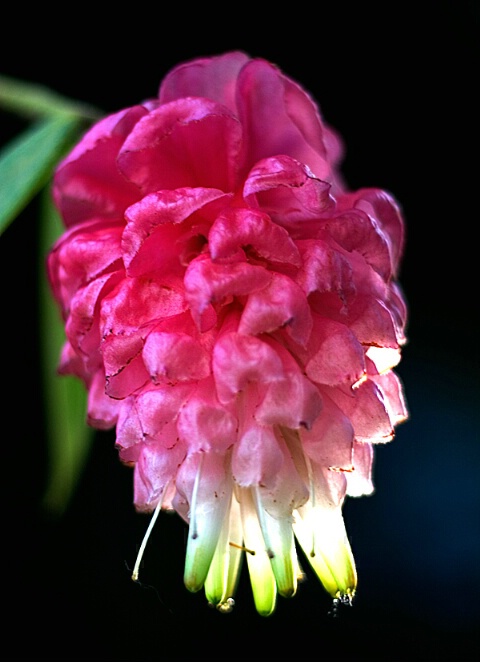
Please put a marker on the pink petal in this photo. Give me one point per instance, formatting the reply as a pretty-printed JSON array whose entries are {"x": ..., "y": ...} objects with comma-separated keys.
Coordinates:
[
  {"x": 305, "y": 402},
  {"x": 355, "y": 231},
  {"x": 175, "y": 357},
  {"x": 211, "y": 282},
  {"x": 372, "y": 323},
  {"x": 336, "y": 356},
  {"x": 297, "y": 130},
  {"x": 239, "y": 360},
  {"x": 155, "y": 472},
  {"x": 125, "y": 370},
  {"x": 205, "y": 424},
  {"x": 102, "y": 412},
  {"x": 149, "y": 240},
  {"x": 240, "y": 227},
  {"x": 392, "y": 389},
  {"x": 282, "y": 303},
  {"x": 325, "y": 269},
  {"x": 151, "y": 416},
  {"x": 366, "y": 409},
  {"x": 137, "y": 303},
  {"x": 287, "y": 191},
  {"x": 83, "y": 253},
  {"x": 381, "y": 206},
  {"x": 82, "y": 327},
  {"x": 330, "y": 440},
  {"x": 257, "y": 457}
]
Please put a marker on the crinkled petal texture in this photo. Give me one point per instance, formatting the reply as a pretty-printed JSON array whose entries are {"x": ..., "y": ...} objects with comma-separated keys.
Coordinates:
[{"x": 234, "y": 312}]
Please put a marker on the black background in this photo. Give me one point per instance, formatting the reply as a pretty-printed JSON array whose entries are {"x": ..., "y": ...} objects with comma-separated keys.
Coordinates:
[{"x": 399, "y": 81}]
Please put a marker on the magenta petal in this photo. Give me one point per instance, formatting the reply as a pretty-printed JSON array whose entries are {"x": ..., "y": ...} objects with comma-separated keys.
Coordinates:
[
  {"x": 187, "y": 142},
  {"x": 137, "y": 303},
  {"x": 210, "y": 282},
  {"x": 287, "y": 191},
  {"x": 297, "y": 130},
  {"x": 240, "y": 227},
  {"x": 83, "y": 253},
  {"x": 212, "y": 78},
  {"x": 355, "y": 231},
  {"x": 149, "y": 240},
  {"x": 87, "y": 183}
]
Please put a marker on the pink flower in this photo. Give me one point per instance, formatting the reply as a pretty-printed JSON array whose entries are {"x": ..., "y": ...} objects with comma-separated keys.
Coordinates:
[{"x": 233, "y": 310}]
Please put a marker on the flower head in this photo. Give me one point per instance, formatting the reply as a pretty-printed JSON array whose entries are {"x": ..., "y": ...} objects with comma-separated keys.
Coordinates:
[{"x": 233, "y": 311}]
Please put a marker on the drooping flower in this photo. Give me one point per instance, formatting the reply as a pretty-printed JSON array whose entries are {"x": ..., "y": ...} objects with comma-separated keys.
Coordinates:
[{"x": 233, "y": 311}]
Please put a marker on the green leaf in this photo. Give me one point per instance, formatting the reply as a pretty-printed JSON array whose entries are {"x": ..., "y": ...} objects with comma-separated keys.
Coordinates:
[
  {"x": 69, "y": 437},
  {"x": 27, "y": 162},
  {"x": 33, "y": 100}
]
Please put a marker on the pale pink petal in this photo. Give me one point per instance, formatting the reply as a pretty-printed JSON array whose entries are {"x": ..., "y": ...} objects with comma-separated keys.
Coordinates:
[{"x": 365, "y": 407}]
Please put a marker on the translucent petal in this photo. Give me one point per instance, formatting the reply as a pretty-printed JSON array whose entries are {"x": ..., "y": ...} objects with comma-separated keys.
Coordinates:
[
  {"x": 224, "y": 572},
  {"x": 263, "y": 582},
  {"x": 208, "y": 491}
]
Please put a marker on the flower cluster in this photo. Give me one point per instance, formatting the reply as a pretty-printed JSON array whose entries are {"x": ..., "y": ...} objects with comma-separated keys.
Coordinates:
[{"x": 233, "y": 311}]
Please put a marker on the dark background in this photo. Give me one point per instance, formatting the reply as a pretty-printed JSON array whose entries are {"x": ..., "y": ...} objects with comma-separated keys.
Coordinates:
[{"x": 400, "y": 83}]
